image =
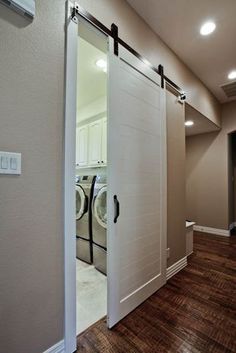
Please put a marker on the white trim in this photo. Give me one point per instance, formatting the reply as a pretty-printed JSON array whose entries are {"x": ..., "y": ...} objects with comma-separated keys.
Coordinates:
[
  {"x": 222, "y": 232},
  {"x": 232, "y": 225},
  {"x": 189, "y": 224},
  {"x": 57, "y": 348},
  {"x": 69, "y": 184},
  {"x": 176, "y": 267}
]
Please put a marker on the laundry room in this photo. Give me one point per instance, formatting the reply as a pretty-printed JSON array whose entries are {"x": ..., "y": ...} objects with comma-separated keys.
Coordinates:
[{"x": 91, "y": 180}]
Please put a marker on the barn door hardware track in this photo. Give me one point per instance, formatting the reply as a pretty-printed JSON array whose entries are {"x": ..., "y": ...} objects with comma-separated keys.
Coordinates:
[{"x": 113, "y": 32}]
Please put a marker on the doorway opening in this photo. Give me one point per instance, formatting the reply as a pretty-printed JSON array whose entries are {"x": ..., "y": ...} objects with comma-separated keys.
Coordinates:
[
  {"x": 91, "y": 179},
  {"x": 232, "y": 181}
]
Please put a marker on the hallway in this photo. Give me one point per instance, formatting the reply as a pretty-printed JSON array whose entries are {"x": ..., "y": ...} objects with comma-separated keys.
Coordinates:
[{"x": 194, "y": 312}]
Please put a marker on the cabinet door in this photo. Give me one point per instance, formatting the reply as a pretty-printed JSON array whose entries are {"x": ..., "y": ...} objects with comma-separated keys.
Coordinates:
[
  {"x": 95, "y": 140},
  {"x": 82, "y": 146},
  {"x": 104, "y": 141}
]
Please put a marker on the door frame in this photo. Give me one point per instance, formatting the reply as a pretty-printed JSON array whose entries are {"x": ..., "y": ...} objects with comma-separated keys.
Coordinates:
[
  {"x": 71, "y": 55},
  {"x": 71, "y": 29},
  {"x": 231, "y": 182}
]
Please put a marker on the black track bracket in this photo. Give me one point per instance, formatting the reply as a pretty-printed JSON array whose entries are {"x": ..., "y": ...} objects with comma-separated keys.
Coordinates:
[
  {"x": 161, "y": 73},
  {"x": 115, "y": 36}
]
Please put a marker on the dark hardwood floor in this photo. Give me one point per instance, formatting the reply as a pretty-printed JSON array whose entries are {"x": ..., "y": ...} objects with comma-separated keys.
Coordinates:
[{"x": 194, "y": 312}]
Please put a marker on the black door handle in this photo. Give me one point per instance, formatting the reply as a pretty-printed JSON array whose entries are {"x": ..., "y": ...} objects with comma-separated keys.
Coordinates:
[{"x": 117, "y": 208}]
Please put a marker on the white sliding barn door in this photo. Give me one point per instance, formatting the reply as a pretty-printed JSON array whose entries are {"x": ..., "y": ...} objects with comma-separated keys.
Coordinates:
[{"x": 137, "y": 178}]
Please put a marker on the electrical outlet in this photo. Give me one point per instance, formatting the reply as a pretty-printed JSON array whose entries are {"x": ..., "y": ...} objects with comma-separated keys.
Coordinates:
[{"x": 168, "y": 253}]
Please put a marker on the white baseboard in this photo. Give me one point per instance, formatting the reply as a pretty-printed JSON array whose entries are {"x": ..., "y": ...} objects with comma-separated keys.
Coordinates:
[
  {"x": 223, "y": 232},
  {"x": 57, "y": 348},
  {"x": 176, "y": 267}
]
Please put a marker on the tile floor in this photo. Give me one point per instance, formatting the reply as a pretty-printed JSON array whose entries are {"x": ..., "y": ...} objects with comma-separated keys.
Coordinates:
[{"x": 91, "y": 287}]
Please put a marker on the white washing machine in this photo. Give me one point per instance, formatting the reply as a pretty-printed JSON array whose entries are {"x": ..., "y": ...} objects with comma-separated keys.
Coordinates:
[
  {"x": 99, "y": 223},
  {"x": 84, "y": 193}
]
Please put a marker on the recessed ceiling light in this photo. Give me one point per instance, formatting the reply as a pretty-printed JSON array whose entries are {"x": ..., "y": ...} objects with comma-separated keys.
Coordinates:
[
  {"x": 207, "y": 28},
  {"x": 189, "y": 123},
  {"x": 101, "y": 63},
  {"x": 232, "y": 75}
]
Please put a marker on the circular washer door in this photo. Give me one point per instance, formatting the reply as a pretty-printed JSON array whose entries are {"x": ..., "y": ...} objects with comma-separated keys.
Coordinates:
[
  {"x": 80, "y": 201},
  {"x": 100, "y": 207}
]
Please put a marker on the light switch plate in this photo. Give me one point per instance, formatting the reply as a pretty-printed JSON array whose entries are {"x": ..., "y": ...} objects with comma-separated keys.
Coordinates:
[
  {"x": 10, "y": 163},
  {"x": 25, "y": 8}
]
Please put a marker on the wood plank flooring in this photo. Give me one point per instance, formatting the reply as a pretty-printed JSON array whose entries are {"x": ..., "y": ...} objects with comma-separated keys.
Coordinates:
[{"x": 194, "y": 312}]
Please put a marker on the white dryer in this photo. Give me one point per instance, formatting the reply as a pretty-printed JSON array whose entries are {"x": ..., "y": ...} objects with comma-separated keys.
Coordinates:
[
  {"x": 99, "y": 223},
  {"x": 84, "y": 192}
]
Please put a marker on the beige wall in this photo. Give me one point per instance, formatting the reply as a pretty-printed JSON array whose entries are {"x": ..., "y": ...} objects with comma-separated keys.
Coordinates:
[
  {"x": 31, "y": 108},
  {"x": 207, "y": 174},
  {"x": 176, "y": 211},
  {"x": 31, "y": 122},
  {"x": 139, "y": 35}
]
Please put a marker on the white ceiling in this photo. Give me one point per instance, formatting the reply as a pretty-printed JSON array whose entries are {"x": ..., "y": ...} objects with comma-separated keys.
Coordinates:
[
  {"x": 177, "y": 22},
  {"x": 201, "y": 125},
  {"x": 91, "y": 80}
]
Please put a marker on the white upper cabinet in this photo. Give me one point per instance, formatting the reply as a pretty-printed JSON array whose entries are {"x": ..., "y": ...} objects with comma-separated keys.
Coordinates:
[
  {"x": 91, "y": 144},
  {"x": 104, "y": 141},
  {"x": 95, "y": 142},
  {"x": 82, "y": 146}
]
